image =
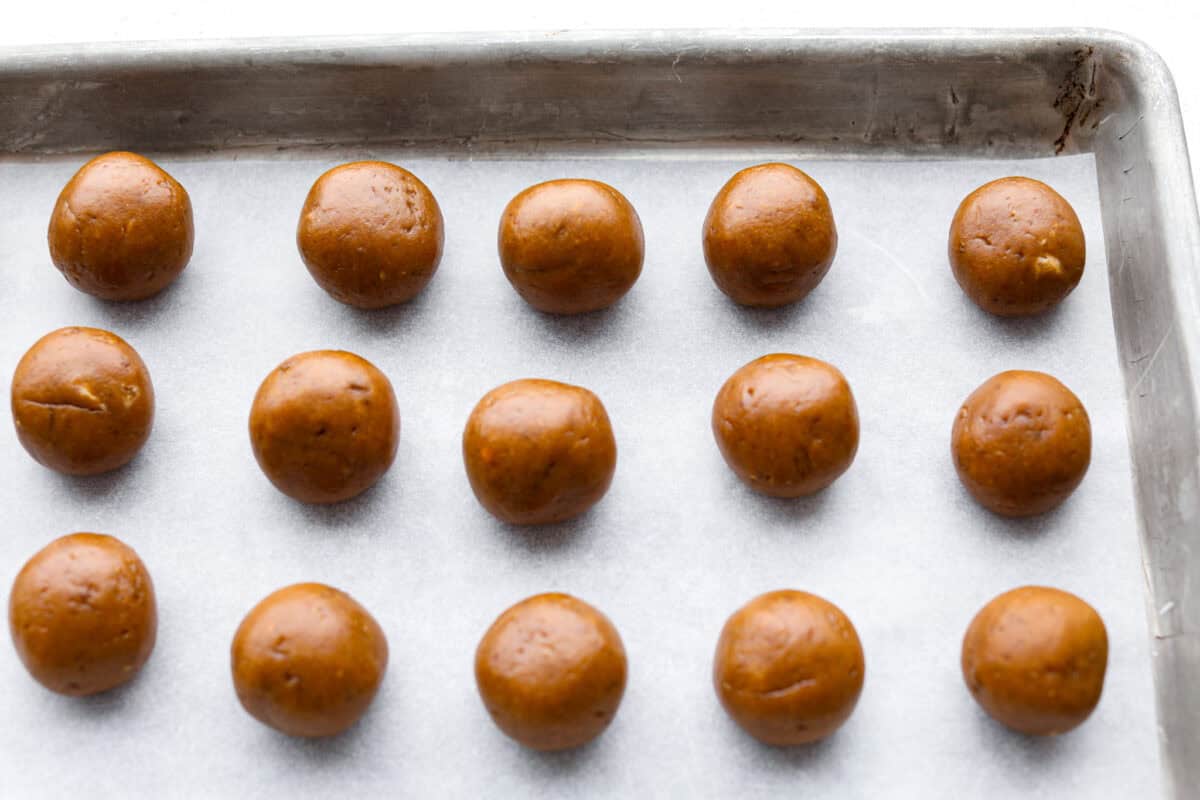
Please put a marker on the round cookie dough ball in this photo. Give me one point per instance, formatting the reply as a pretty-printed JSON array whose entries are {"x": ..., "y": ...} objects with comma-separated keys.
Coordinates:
[
  {"x": 308, "y": 660},
  {"x": 1016, "y": 247},
  {"x": 551, "y": 672},
  {"x": 1034, "y": 659},
  {"x": 769, "y": 236},
  {"x": 571, "y": 246},
  {"x": 121, "y": 229},
  {"x": 82, "y": 614},
  {"x": 789, "y": 668},
  {"x": 787, "y": 425},
  {"x": 82, "y": 401},
  {"x": 325, "y": 426},
  {"x": 539, "y": 451},
  {"x": 1021, "y": 443},
  {"x": 370, "y": 234}
]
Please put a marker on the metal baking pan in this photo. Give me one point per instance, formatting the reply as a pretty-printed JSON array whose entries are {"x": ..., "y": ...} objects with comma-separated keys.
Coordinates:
[{"x": 661, "y": 97}]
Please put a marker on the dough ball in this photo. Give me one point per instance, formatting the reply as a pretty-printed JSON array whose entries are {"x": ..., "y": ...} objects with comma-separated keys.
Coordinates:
[
  {"x": 1021, "y": 443},
  {"x": 789, "y": 668},
  {"x": 325, "y": 426},
  {"x": 539, "y": 451},
  {"x": 1016, "y": 247},
  {"x": 551, "y": 672},
  {"x": 121, "y": 229},
  {"x": 82, "y": 401},
  {"x": 1034, "y": 658},
  {"x": 769, "y": 236},
  {"x": 370, "y": 234},
  {"x": 82, "y": 614},
  {"x": 308, "y": 660},
  {"x": 787, "y": 425},
  {"x": 571, "y": 246}
]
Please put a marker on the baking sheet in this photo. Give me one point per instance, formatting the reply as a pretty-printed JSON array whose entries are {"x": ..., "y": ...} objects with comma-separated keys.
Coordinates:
[{"x": 674, "y": 548}]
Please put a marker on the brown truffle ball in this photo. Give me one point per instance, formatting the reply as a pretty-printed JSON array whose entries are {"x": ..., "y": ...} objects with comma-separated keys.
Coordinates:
[
  {"x": 370, "y": 234},
  {"x": 121, "y": 229},
  {"x": 308, "y": 660},
  {"x": 1016, "y": 247},
  {"x": 789, "y": 668},
  {"x": 769, "y": 236},
  {"x": 1034, "y": 659},
  {"x": 539, "y": 451},
  {"x": 324, "y": 426},
  {"x": 787, "y": 425},
  {"x": 571, "y": 246},
  {"x": 551, "y": 672},
  {"x": 1021, "y": 443},
  {"x": 82, "y": 614},
  {"x": 82, "y": 401}
]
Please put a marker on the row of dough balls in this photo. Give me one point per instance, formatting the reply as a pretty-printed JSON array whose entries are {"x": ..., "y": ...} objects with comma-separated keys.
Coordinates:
[
  {"x": 324, "y": 427},
  {"x": 371, "y": 235},
  {"x": 551, "y": 670}
]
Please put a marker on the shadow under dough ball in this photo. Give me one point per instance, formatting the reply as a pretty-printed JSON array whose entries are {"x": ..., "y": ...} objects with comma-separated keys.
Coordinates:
[
  {"x": 789, "y": 668},
  {"x": 769, "y": 237},
  {"x": 571, "y": 246},
  {"x": 551, "y": 672},
  {"x": 82, "y": 401},
  {"x": 539, "y": 451},
  {"x": 122, "y": 228},
  {"x": 1021, "y": 443},
  {"x": 370, "y": 234},
  {"x": 308, "y": 660},
  {"x": 1016, "y": 247},
  {"x": 82, "y": 614},
  {"x": 325, "y": 426},
  {"x": 787, "y": 425},
  {"x": 1034, "y": 658}
]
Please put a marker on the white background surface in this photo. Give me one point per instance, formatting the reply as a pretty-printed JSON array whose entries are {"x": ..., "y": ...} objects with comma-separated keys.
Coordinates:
[{"x": 1170, "y": 26}]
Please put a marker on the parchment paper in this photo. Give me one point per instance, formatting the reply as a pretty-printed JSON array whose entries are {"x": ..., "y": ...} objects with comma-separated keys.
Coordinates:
[{"x": 676, "y": 546}]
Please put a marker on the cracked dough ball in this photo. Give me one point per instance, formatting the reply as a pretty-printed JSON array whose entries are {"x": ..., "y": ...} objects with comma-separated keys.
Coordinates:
[
  {"x": 308, "y": 660},
  {"x": 121, "y": 229},
  {"x": 325, "y": 426},
  {"x": 1016, "y": 247},
  {"x": 82, "y": 614},
  {"x": 371, "y": 234},
  {"x": 1034, "y": 658},
  {"x": 769, "y": 237},
  {"x": 789, "y": 667},
  {"x": 1021, "y": 443},
  {"x": 571, "y": 246},
  {"x": 82, "y": 401},
  {"x": 539, "y": 451},
  {"x": 551, "y": 672},
  {"x": 787, "y": 425}
]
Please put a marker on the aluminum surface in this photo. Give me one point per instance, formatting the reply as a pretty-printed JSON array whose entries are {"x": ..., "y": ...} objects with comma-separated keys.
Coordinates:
[{"x": 649, "y": 94}]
